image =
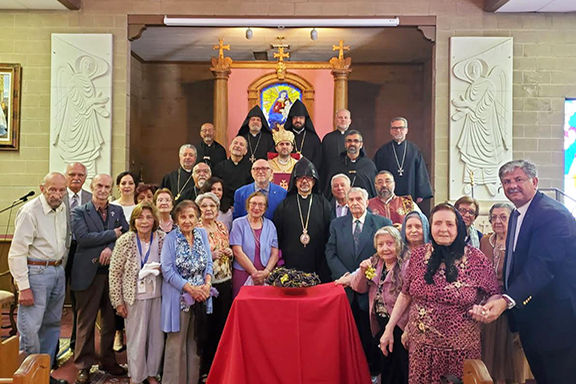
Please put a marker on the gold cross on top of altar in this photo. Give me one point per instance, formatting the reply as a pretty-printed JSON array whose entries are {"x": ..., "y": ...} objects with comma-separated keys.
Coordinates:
[
  {"x": 221, "y": 47},
  {"x": 341, "y": 48},
  {"x": 281, "y": 55}
]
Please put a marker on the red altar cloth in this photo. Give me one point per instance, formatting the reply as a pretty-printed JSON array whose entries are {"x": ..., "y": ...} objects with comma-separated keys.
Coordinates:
[{"x": 273, "y": 337}]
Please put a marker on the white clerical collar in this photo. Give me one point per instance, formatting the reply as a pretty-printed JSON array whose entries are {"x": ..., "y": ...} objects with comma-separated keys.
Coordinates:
[
  {"x": 304, "y": 197},
  {"x": 300, "y": 131},
  {"x": 398, "y": 143},
  {"x": 254, "y": 135}
]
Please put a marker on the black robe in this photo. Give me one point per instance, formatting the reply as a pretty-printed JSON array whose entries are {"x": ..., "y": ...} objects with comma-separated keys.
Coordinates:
[
  {"x": 260, "y": 145},
  {"x": 234, "y": 175},
  {"x": 332, "y": 147},
  {"x": 414, "y": 180},
  {"x": 312, "y": 147},
  {"x": 361, "y": 172},
  {"x": 212, "y": 154},
  {"x": 170, "y": 181},
  {"x": 289, "y": 227}
]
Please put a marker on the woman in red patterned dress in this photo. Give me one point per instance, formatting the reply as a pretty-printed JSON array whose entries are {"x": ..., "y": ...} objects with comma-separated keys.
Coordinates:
[{"x": 445, "y": 280}]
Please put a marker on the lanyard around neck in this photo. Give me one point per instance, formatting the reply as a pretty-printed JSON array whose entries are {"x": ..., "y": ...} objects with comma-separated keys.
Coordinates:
[{"x": 142, "y": 262}]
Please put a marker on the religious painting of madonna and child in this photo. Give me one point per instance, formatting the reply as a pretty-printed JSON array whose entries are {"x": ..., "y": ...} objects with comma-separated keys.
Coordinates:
[
  {"x": 9, "y": 106},
  {"x": 276, "y": 100},
  {"x": 570, "y": 153}
]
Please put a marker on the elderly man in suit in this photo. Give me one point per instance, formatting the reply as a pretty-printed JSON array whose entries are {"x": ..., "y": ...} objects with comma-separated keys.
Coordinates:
[
  {"x": 36, "y": 259},
  {"x": 261, "y": 172},
  {"x": 76, "y": 196},
  {"x": 96, "y": 226},
  {"x": 539, "y": 276},
  {"x": 351, "y": 241}
]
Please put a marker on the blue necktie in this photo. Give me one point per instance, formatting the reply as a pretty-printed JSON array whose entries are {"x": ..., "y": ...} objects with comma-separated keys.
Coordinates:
[
  {"x": 73, "y": 205},
  {"x": 356, "y": 235},
  {"x": 510, "y": 244}
]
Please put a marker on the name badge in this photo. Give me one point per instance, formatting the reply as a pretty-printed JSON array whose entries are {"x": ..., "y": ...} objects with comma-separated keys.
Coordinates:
[{"x": 141, "y": 286}]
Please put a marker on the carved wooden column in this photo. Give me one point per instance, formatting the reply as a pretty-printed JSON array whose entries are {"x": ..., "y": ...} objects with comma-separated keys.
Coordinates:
[
  {"x": 220, "y": 67},
  {"x": 341, "y": 71}
]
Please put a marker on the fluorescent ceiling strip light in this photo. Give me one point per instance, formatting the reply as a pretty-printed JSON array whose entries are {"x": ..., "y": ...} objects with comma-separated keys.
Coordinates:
[{"x": 280, "y": 23}]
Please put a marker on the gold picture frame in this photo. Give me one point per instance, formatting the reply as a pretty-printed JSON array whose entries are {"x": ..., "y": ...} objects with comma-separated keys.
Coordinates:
[{"x": 10, "y": 93}]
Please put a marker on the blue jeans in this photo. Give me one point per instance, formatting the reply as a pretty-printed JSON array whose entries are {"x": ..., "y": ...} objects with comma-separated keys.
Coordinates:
[{"x": 39, "y": 324}]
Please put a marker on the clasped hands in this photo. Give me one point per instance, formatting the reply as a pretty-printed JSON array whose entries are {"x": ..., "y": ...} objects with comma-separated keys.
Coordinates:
[
  {"x": 198, "y": 292},
  {"x": 258, "y": 277},
  {"x": 490, "y": 311}
]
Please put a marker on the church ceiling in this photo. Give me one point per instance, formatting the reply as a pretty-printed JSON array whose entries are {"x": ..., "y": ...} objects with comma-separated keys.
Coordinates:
[{"x": 367, "y": 45}]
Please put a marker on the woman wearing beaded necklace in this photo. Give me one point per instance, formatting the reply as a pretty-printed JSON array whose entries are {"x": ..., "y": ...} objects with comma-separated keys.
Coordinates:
[{"x": 501, "y": 349}]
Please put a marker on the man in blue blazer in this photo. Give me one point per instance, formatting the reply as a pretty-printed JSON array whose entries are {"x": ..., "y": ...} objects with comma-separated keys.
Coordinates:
[
  {"x": 539, "y": 276},
  {"x": 261, "y": 172},
  {"x": 352, "y": 241},
  {"x": 96, "y": 226}
]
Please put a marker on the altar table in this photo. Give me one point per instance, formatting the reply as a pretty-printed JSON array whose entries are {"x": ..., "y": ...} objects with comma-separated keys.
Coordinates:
[{"x": 276, "y": 338}]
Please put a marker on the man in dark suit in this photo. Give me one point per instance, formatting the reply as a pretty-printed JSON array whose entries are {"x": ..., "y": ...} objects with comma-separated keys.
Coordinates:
[
  {"x": 261, "y": 172},
  {"x": 352, "y": 241},
  {"x": 539, "y": 276},
  {"x": 76, "y": 196},
  {"x": 96, "y": 226}
]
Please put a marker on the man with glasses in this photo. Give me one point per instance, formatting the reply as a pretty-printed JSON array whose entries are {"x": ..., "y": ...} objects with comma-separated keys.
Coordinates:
[
  {"x": 388, "y": 204},
  {"x": 210, "y": 151},
  {"x": 354, "y": 164},
  {"x": 539, "y": 276},
  {"x": 261, "y": 172},
  {"x": 405, "y": 162},
  {"x": 200, "y": 173}
]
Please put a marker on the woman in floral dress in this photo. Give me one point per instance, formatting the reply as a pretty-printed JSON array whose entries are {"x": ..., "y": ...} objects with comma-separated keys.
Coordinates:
[{"x": 445, "y": 280}]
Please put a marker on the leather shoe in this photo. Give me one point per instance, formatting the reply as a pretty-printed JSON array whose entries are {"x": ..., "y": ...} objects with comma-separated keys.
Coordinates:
[
  {"x": 115, "y": 370},
  {"x": 83, "y": 376},
  {"x": 57, "y": 381}
]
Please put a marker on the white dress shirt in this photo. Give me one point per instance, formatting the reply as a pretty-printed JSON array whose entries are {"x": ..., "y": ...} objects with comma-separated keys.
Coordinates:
[
  {"x": 40, "y": 234},
  {"x": 522, "y": 213}
]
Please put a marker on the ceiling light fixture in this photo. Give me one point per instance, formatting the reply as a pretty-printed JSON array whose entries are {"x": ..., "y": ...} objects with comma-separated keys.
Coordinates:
[
  {"x": 249, "y": 34},
  {"x": 314, "y": 34},
  {"x": 280, "y": 23}
]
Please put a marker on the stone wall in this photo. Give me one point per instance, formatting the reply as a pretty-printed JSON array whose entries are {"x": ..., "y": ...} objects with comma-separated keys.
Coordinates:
[{"x": 544, "y": 71}]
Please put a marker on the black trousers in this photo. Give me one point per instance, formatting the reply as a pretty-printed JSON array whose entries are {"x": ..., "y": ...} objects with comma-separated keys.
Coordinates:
[
  {"x": 220, "y": 308},
  {"x": 372, "y": 353},
  {"x": 394, "y": 367}
]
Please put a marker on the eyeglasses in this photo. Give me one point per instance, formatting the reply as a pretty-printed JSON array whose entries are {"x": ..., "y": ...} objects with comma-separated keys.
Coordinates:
[
  {"x": 205, "y": 171},
  {"x": 386, "y": 182},
  {"x": 260, "y": 169},
  {"x": 355, "y": 141},
  {"x": 501, "y": 217},
  {"x": 259, "y": 205},
  {"x": 517, "y": 180},
  {"x": 397, "y": 128},
  {"x": 464, "y": 211}
]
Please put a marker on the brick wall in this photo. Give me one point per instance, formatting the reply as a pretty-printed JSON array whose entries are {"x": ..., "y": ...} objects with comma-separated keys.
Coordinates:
[{"x": 544, "y": 71}]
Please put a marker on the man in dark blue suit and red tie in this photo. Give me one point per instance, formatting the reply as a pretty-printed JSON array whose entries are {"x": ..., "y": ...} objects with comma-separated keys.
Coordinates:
[{"x": 539, "y": 276}]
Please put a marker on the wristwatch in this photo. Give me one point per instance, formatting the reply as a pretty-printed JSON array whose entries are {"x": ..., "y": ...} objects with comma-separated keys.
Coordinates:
[{"x": 509, "y": 302}]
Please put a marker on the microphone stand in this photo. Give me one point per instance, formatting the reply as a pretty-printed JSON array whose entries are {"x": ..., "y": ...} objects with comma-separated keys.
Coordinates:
[{"x": 14, "y": 204}]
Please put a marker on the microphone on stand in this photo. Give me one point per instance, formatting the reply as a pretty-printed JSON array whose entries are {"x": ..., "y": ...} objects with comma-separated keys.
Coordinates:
[{"x": 26, "y": 196}]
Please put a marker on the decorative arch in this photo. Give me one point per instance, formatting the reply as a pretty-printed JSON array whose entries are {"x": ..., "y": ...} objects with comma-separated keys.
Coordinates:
[{"x": 264, "y": 81}]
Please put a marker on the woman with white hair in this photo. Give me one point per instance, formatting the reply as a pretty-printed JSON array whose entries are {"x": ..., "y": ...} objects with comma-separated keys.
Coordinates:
[
  {"x": 222, "y": 255},
  {"x": 382, "y": 276}
]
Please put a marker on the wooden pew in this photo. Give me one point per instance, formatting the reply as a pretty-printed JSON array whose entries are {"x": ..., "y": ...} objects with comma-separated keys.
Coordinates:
[
  {"x": 475, "y": 372},
  {"x": 9, "y": 356},
  {"x": 34, "y": 370}
]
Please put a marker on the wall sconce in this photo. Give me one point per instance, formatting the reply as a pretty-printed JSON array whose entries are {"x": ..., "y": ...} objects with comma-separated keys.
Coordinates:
[
  {"x": 314, "y": 34},
  {"x": 249, "y": 34}
]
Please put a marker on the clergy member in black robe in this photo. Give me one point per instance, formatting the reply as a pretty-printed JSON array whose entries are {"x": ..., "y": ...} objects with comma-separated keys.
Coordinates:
[
  {"x": 353, "y": 163},
  {"x": 333, "y": 143},
  {"x": 235, "y": 171},
  {"x": 210, "y": 151},
  {"x": 257, "y": 134},
  {"x": 306, "y": 140},
  {"x": 304, "y": 209},
  {"x": 180, "y": 181},
  {"x": 405, "y": 161}
]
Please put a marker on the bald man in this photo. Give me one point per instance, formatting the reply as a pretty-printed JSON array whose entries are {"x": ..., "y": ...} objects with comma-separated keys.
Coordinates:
[
  {"x": 210, "y": 151},
  {"x": 261, "y": 172},
  {"x": 36, "y": 259},
  {"x": 96, "y": 226}
]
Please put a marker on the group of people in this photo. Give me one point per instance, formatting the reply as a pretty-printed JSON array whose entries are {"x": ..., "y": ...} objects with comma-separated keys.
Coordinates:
[{"x": 168, "y": 261}]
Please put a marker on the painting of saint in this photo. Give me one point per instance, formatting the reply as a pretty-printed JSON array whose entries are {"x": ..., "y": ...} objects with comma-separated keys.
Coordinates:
[
  {"x": 5, "y": 92},
  {"x": 276, "y": 101}
]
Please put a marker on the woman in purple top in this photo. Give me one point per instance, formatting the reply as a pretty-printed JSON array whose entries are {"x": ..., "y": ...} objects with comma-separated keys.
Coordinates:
[{"x": 255, "y": 244}]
